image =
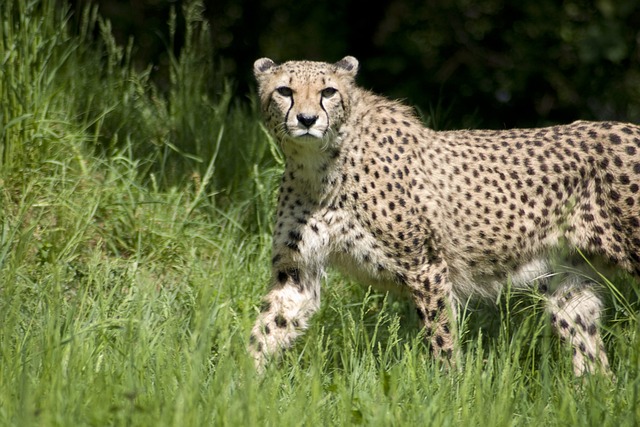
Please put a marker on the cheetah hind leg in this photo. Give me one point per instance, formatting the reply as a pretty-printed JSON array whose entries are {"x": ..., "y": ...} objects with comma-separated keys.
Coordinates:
[{"x": 575, "y": 313}]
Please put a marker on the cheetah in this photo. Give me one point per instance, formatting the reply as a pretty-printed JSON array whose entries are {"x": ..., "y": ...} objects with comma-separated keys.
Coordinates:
[{"x": 440, "y": 215}]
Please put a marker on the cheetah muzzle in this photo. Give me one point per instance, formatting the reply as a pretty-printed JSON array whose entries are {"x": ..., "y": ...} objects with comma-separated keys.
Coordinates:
[{"x": 442, "y": 215}]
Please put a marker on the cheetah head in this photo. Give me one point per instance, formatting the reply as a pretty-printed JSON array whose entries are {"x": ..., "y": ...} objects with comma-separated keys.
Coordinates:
[{"x": 303, "y": 101}]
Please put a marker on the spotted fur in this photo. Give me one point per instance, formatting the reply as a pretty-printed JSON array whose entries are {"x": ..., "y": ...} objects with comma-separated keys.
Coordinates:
[{"x": 440, "y": 215}]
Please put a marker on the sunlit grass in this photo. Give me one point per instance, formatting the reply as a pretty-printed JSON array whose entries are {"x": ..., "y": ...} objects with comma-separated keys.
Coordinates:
[{"x": 134, "y": 250}]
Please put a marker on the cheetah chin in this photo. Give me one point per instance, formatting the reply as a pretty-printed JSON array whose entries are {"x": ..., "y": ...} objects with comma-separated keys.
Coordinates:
[{"x": 440, "y": 216}]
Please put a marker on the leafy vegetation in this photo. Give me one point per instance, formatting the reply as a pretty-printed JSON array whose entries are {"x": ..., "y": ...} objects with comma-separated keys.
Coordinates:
[
  {"x": 517, "y": 64},
  {"x": 134, "y": 249}
]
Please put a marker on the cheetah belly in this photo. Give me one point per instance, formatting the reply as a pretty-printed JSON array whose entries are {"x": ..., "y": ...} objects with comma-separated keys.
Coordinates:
[
  {"x": 367, "y": 274},
  {"x": 357, "y": 254},
  {"x": 467, "y": 284},
  {"x": 547, "y": 272}
]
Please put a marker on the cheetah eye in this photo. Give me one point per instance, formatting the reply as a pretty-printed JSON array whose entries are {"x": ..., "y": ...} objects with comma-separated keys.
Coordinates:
[
  {"x": 328, "y": 92},
  {"x": 284, "y": 91}
]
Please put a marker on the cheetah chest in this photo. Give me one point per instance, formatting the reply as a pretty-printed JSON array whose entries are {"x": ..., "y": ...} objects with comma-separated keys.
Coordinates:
[
  {"x": 334, "y": 237},
  {"x": 358, "y": 255}
]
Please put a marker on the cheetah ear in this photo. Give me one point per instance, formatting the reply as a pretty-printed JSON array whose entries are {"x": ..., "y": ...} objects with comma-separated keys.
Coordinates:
[
  {"x": 347, "y": 65},
  {"x": 262, "y": 66}
]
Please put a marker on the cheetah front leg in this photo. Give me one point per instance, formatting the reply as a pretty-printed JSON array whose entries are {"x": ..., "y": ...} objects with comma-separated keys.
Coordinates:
[
  {"x": 284, "y": 313},
  {"x": 432, "y": 294}
]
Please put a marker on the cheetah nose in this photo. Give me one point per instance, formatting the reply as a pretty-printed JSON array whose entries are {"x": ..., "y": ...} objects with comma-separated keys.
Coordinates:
[{"x": 306, "y": 121}]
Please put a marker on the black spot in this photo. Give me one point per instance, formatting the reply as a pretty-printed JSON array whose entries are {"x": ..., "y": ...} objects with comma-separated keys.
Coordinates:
[
  {"x": 439, "y": 341},
  {"x": 580, "y": 323},
  {"x": 282, "y": 277},
  {"x": 281, "y": 322},
  {"x": 615, "y": 196}
]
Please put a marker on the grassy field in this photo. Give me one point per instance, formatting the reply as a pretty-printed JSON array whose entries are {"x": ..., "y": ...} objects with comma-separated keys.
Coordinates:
[{"x": 134, "y": 249}]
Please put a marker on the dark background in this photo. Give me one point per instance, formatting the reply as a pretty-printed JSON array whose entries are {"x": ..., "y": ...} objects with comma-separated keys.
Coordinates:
[{"x": 471, "y": 63}]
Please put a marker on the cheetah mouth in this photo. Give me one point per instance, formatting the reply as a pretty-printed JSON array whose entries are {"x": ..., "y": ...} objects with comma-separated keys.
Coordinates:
[{"x": 304, "y": 134}]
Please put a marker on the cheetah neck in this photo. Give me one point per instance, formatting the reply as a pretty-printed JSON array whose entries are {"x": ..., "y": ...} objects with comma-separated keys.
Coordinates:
[{"x": 313, "y": 168}]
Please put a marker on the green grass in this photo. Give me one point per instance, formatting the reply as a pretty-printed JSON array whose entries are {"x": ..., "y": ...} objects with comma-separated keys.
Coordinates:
[{"x": 134, "y": 250}]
